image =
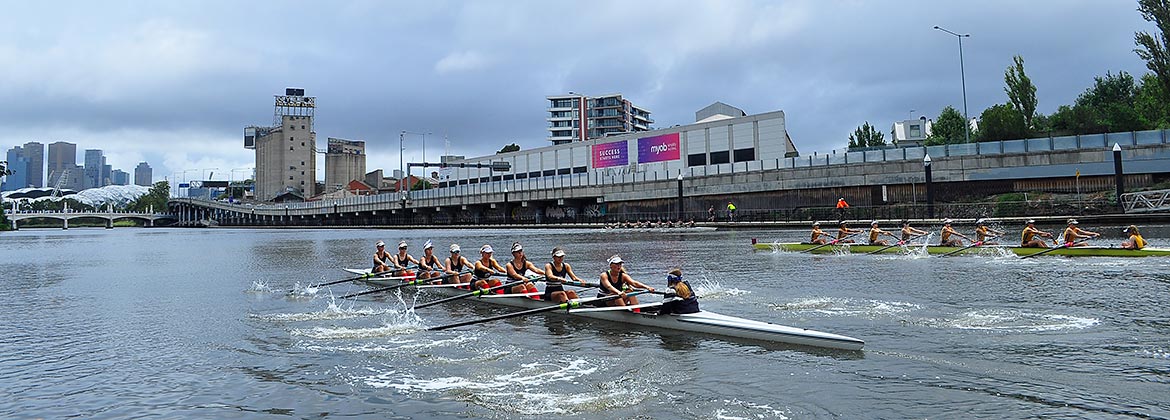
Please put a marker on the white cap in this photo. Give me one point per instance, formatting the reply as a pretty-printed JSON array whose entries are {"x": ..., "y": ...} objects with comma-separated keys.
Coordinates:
[
  {"x": 402, "y": 244},
  {"x": 816, "y": 223},
  {"x": 380, "y": 243},
  {"x": 517, "y": 247},
  {"x": 454, "y": 248},
  {"x": 558, "y": 252},
  {"x": 486, "y": 248},
  {"x": 873, "y": 223},
  {"x": 947, "y": 221},
  {"x": 1030, "y": 221},
  {"x": 616, "y": 259},
  {"x": 981, "y": 222},
  {"x": 428, "y": 244},
  {"x": 1072, "y": 221}
]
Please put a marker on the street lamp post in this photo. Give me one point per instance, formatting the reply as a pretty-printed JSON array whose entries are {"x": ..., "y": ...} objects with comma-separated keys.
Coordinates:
[
  {"x": 680, "y": 197},
  {"x": 929, "y": 189},
  {"x": 507, "y": 214},
  {"x": 963, "y": 78},
  {"x": 1118, "y": 175}
]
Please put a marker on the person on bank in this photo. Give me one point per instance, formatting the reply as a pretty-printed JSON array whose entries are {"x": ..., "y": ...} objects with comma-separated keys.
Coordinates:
[
  {"x": 455, "y": 265},
  {"x": 401, "y": 260},
  {"x": 1135, "y": 240},
  {"x": 844, "y": 232},
  {"x": 1028, "y": 237},
  {"x": 730, "y": 211},
  {"x": 429, "y": 266},
  {"x": 1072, "y": 233},
  {"x": 519, "y": 268},
  {"x": 381, "y": 258},
  {"x": 616, "y": 281},
  {"x": 819, "y": 236},
  {"x": 680, "y": 297},
  {"x": 486, "y": 267},
  {"x": 556, "y": 273},
  {"x": 984, "y": 234},
  {"x": 945, "y": 237},
  {"x": 875, "y": 232},
  {"x": 909, "y": 233}
]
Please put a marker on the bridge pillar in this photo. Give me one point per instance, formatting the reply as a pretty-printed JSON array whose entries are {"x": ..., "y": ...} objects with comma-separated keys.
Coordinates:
[
  {"x": 15, "y": 225},
  {"x": 110, "y": 223},
  {"x": 65, "y": 225}
]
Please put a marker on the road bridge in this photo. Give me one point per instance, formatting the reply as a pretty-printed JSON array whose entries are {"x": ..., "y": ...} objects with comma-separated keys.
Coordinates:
[{"x": 108, "y": 216}]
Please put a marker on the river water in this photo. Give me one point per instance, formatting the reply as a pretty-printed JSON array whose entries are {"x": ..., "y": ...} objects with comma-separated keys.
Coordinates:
[{"x": 174, "y": 323}]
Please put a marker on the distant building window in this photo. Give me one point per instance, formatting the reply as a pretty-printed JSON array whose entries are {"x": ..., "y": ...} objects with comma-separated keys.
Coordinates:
[
  {"x": 291, "y": 138},
  {"x": 915, "y": 130},
  {"x": 302, "y": 143},
  {"x": 302, "y": 127},
  {"x": 564, "y": 171},
  {"x": 292, "y": 128},
  {"x": 698, "y": 159},
  {"x": 302, "y": 163},
  {"x": 290, "y": 177},
  {"x": 720, "y": 157},
  {"x": 290, "y": 148},
  {"x": 745, "y": 155}
]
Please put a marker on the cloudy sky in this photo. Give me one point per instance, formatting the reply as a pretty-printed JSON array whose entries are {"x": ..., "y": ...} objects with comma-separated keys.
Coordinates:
[{"x": 174, "y": 83}]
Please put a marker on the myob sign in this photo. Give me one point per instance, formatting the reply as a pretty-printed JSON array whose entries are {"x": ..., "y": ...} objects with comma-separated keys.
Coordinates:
[{"x": 659, "y": 148}]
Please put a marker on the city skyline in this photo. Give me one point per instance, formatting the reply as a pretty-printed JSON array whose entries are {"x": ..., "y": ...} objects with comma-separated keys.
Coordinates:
[{"x": 173, "y": 84}]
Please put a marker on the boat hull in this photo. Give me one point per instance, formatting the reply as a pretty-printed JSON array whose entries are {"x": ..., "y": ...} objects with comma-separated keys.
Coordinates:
[{"x": 1085, "y": 251}]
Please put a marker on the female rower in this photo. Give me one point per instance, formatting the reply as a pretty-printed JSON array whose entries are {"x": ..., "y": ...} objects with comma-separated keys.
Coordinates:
[
  {"x": 555, "y": 273},
  {"x": 983, "y": 233},
  {"x": 429, "y": 266},
  {"x": 1135, "y": 240},
  {"x": 1028, "y": 237},
  {"x": 818, "y": 236},
  {"x": 945, "y": 237},
  {"x": 519, "y": 268},
  {"x": 1072, "y": 233},
  {"x": 616, "y": 281},
  {"x": 455, "y": 265},
  {"x": 875, "y": 232},
  {"x": 402, "y": 260},
  {"x": 844, "y": 231},
  {"x": 381, "y": 258},
  {"x": 680, "y": 297},
  {"x": 486, "y": 267},
  {"x": 909, "y": 233}
]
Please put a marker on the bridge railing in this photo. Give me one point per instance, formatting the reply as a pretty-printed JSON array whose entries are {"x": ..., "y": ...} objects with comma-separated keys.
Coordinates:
[{"x": 1146, "y": 201}]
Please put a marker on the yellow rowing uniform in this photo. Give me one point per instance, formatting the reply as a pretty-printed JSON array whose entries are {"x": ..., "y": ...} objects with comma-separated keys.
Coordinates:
[{"x": 1138, "y": 241}]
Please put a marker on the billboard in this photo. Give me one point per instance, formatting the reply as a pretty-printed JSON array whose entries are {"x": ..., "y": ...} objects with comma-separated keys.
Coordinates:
[
  {"x": 659, "y": 148},
  {"x": 611, "y": 154}
]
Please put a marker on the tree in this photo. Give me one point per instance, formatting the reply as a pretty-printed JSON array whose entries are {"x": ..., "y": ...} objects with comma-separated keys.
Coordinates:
[
  {"x": 1153, "y": 48},
  {"x": 1020, "y": 90},
  {"x": 1001, "y": 122},
  {"x": 510, "y": 148},
  {"x": 948, "y": 128},
  {"x": 1151, "y": 103},
  {"x": 866, "y": 136},
  {"x": 1108, "y": 106},
  {"x": 156, "y": 199}
]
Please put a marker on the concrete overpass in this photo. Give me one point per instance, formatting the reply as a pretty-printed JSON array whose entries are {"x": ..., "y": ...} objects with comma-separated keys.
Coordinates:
[{"x": 108, "y": 216}]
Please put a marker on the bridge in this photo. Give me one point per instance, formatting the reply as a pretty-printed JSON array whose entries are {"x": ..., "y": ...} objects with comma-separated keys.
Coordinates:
[
  {"x": 65, "y": 216},
  {"x": 1146, "y": 201}
]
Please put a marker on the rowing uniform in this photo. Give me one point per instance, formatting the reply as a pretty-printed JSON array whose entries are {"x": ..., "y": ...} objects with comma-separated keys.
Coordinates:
[
  {"x": 680, "y": 299},
  {"x": 816, "y": 233},
  {"x": 383, "y": 257},
  {"x": 433, "y": 263},
  {"x": 618, "y": 283},
  {"x": 873, "y": 235},
  {"x": 1138, "y": 241},
  {"x": 550, "y": 287},
  {"x": 906, "y": 235},
  {"x": 1027, "y": 236},
  {"x": 982, "y": 233},
  {"x": 457, "y": 264}
]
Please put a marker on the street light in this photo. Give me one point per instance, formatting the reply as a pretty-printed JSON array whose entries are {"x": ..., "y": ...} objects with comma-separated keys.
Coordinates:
[
  {"x": 963, "y": 77},
  {"x": 1118, "y": 175},
  {"x": 680, "y": 197},
  {"x": 507, "y": 214},
  {"x": 929, "y": 190}
]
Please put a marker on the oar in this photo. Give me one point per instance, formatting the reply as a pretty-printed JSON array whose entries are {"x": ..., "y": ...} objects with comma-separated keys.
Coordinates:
[
  {"x": 409, "y": 283},
  {"x": 470, "y": 294},
  {"x": 567, "y": 305},
  {"x": 900, "y": 243},
  {"x": 832, "y": 242},
  {"x": 363, "y": 276},
  {"x": 1067, "y": 245},
  {"x": 973, "y": 244}
]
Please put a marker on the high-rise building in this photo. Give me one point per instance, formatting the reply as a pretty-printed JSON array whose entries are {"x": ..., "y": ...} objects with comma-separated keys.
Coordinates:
[
  {"x": 94, "y": 161},
  {"x": 35, "y": 152},
  {"x": 345, "y": 160},
  {"x": 107, "y": 174},
  {"x": 286, "y": 159},
  {"x": 143, "y": 174},
  {"x": 19, "y": 165},
  {"x": 119, "y": 177},
  {"x": 576, "y": 117},
  {"x": 62, "y": 157}
]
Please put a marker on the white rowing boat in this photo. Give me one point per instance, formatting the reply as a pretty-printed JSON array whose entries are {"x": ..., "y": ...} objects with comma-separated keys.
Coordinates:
[{"x": 704, "y": 322}]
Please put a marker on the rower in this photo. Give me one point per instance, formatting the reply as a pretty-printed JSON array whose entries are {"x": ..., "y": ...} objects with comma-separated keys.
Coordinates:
[
  {"x": 909, "y": 233},
  {"x": 454, "y": 265},
  {"x": 983, "y": 233},
  {"x": 616, "y": 281},
  {"x": 429, "y": 266},
  {"x": 485, "y": 268},
  {"x": 1072, "y": 233},
  {"x": 1135, "y": 240},
  {"x": 1028, "y": 237},
  {"x": 402, "y": 260},
  {"x": 945, "y": 237},
  {"x": 844, "y": 231},
  {"x": 381, "y": 258},
  {"x": 680, "y": 297},
  {"x": 818, "y": 235},
  {"x": 519, "y": 268},
  {"x": 555, "y": 273},
  {"x": 875, "y": 232}
]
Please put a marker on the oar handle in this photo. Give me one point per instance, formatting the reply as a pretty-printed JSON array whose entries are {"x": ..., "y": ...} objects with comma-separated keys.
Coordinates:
[
  {"x": 576, "y": 303},
  {"x": 469, "y": 294}
]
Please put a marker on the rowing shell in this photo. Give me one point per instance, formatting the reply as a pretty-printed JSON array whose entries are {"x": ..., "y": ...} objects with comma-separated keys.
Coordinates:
[
  {"x": 1080, "y": 251},
  {"x": 704, "y": 322}
]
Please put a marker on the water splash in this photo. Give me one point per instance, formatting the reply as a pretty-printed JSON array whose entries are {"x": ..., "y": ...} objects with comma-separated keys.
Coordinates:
[
  {"x": 708, "y": 288},
  {"x": 834, "y": 306},
  {"x": 735, "y": 409},
  {"x": 1013, "y": 321},
  {"x": 259, "y": 286}
]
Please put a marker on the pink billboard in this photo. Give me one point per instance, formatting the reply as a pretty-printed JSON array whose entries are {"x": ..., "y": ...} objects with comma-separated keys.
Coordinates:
[
  {"x": 659, "y": 148},
  {"x": 611, "y": 154}
]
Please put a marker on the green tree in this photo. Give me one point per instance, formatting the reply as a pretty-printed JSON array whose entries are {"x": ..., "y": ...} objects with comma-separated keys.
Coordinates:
[
  {"x": 1151, "y": 102},
  {"x": 1107, "y": 106},
  {"x": 155, "y": 199},
  {"x": 1001, "y": 122},
  {"x": 1020, "y": 90},
  {"x": 510, "y": 148},
  {"x": 1153, "y": 48},
  {"x": 947, "y": 129},
  {"x": 866, "y": 136}
]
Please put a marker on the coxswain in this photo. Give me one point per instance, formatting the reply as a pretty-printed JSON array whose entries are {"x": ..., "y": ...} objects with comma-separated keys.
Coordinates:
[
  {"x": 455, "y": 265},
  {"x": 381, "y": 258},
  {"x": 844, "y": 231},
  {"x": 909, "y": 233},
  {"x": 680, "y": 297},
  {"x": 1028, "y": 237},
  {"x": 486, "y": 267},
  {"x": 945, "y": 238},
  {"x": 401, "y": 260},
  {"x": 1072, "y": 233},
  {"x": 519, "y": 268},
  {"x": 429, "y": 266},
  {"x": 1135, "y": 240},
  {"x": 556, "y": 273},
  {"x": 984, "y": 233},
  {"x": 819, "y": 236},
  {"x": 875, "y": 232},
  {"x": 616, "y": 281}
]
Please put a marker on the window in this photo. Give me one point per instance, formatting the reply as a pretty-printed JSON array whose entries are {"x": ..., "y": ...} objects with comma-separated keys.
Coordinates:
[
  {"x": 549, "y": 172},
  {"x": 522, "y": 176},
  {"x": 290, "y": 177},
  {"x": 745, "y": 155},
  {"x": 720, "y": 157},
  {"x": 302, "y": 127},
  {"x": 290, "y": 148},
  {"x": 291, "y": 138},
  {"x": 915, "y": 130},
  {"x": 564, "y": 171},
  {"x": 698, "y": 159},
  {"x": 292, "y": 128},
  {"x": 579, "y": 170},
  {"x": 509, "y": 177},
  {"x": 302, "y": 144},
  {"x": 302, "y": 172},
  {"x": 534, "y": 174},
  {"x": 302, "y": 163},
  {"x": 292, "y": 168}
]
